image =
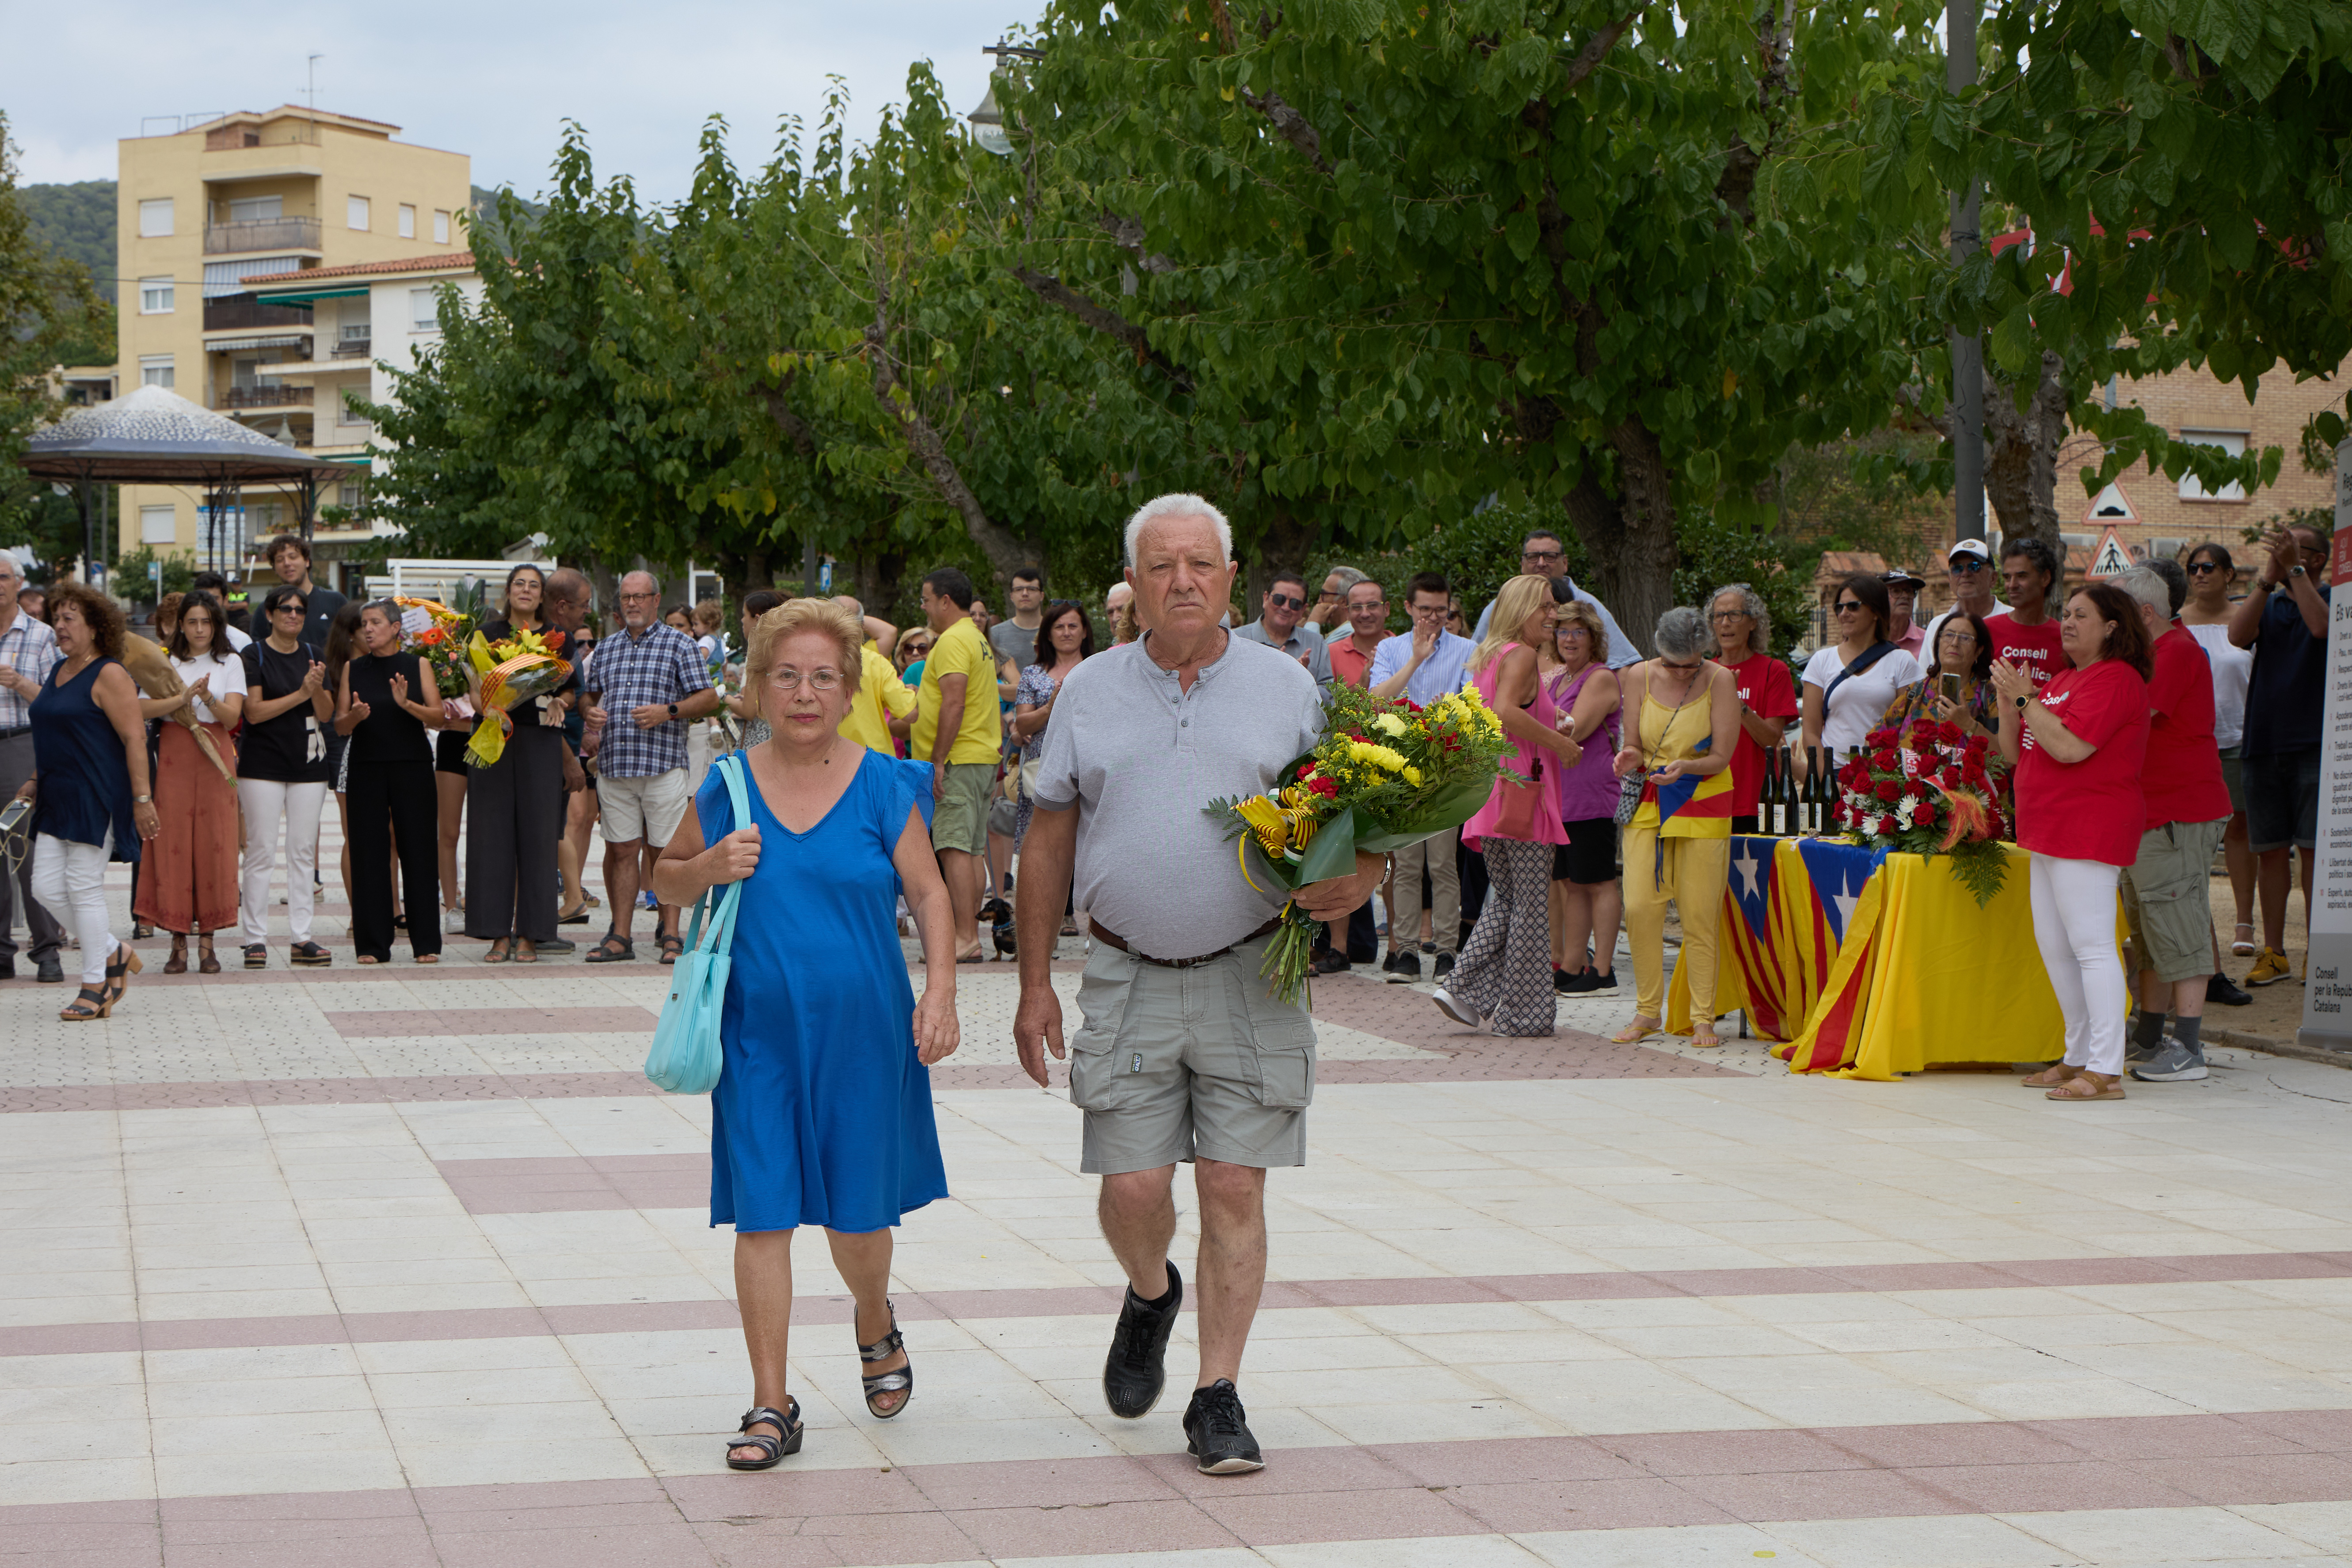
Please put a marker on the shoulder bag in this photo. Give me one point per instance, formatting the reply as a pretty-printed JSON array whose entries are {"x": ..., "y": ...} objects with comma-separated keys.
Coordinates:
[
  {"x": 1631, "y": 787},
  {"x": 686, "y": 1053}
]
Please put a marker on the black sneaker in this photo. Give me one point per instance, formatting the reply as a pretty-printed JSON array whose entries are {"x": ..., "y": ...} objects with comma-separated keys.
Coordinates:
[
  {"x": 1442, "y": 968},
  {"x": 1217, "y": 1434},
  {"x": 2222, "y": 990},
  {"x": 1599, "y": 985},
  {"x": 1563, "y": 984},
  {"x": 1136, "y": 1371},
  {"x": 1388, "y": 964},
  {"x": 1403, "y": 968}
]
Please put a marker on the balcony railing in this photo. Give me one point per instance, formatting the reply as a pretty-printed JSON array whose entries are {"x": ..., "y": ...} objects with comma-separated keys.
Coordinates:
[
  {"x": 262, "y": 233},
  {"x": 271, "y": 397},
  {"x": 243, "y": 311},
  {"x": 226, "y": 138},
  {"x": 351, "y": 348}
]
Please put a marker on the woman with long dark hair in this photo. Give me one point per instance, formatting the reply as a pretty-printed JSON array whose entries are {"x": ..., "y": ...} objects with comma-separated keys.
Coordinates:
[
  {"x": 1848, "y": 684},
  {"x": 385, "y": 704},
  {"x": 190, "y": 885},
  {"x": 281, "y": 776},
  {"x": 518, "y": 802},
  {"x": 89, "y": 788},
  {"x": 2077, "y": 745}
]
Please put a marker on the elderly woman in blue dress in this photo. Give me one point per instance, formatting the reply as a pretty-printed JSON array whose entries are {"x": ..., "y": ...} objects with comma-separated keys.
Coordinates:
[{"x": 823, "y": 1111}]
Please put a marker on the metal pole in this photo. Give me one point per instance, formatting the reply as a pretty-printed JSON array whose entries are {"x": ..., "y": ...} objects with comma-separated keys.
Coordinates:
[
  {"x": 808, "y": 564},
  {"x": 89, "y": 543},
  {"x": 1968, "y": 353}
]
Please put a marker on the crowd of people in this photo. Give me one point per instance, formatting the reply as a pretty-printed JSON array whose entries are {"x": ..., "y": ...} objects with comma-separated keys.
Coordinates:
[{"x": 858, "y": 780}]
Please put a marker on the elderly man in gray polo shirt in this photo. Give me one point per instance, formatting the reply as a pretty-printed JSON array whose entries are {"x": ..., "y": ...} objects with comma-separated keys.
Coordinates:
[{"x": 1183, "y": 1053}]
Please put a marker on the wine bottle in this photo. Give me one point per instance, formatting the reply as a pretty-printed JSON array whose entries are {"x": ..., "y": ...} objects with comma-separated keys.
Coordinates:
[{"x": 1813, "y": 789}]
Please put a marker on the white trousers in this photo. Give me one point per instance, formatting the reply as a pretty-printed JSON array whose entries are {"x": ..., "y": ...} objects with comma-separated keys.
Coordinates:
[
  {"x": 69, "y": 879},
  {"x": 267, "y": 805},
  {"x": 2075, "y": 925}
]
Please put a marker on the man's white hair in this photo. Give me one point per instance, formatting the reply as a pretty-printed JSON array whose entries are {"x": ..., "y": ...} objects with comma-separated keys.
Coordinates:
[
  {"x": 2148, "y": 588},
  {"x": 1179, "y": 505}
]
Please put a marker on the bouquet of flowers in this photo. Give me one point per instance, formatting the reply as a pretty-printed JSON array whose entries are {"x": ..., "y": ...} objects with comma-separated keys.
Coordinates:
[
  {"x": 1385, "y": 776},
  {"x": 1928, "y": 789},
  {"x": 512, "y": 669},
  {"x": 437, "y": 634}
]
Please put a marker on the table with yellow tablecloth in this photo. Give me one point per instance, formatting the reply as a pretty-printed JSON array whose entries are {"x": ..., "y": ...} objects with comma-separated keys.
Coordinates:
[{"x": 1871, "y": 965}]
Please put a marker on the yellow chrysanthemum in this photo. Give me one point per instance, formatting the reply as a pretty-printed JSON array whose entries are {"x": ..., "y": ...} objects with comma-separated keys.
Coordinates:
[
  {"x": 1384, "y": 757},
  {"x": 1389, "y": 723},
  {"x": 1413, "y": 776}
]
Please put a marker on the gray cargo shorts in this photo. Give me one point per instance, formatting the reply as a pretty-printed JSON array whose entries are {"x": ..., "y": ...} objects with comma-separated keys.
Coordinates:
[{"x": 1173, "y": 1064}]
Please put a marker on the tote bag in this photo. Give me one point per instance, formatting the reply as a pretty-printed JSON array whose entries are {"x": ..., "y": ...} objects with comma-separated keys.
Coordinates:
[{"x": 686, "y": 1056}]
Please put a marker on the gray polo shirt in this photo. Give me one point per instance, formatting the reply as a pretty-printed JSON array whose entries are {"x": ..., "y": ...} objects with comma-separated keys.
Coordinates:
[
  {"x": 1305, "y": 642},
  {"x": 1142, "y": 758}
]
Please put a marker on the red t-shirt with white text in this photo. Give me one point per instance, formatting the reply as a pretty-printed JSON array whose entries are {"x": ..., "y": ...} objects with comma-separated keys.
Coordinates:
[
  {"x": 2183, "y": 779},
  {"x": 2034, "y": 650},
  {"x": 1763, "y": 683},
  {"x": 2090, "y": 810}
]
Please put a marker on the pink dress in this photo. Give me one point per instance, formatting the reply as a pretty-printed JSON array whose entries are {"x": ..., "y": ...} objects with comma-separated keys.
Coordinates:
[{"x": 1528, "y": 761}]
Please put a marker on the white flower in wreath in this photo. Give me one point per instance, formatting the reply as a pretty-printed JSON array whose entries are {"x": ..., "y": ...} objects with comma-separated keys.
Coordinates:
[
  {"x": 1872, "y": 825},
  {"x": 1903, "y": 812}
]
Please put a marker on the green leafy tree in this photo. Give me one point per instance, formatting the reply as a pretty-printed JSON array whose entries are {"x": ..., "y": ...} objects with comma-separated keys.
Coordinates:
[
  {"x": 1612, "y": 259},
  {"x": 47, "y": 306},
  {"x": 135, "y": 576}
]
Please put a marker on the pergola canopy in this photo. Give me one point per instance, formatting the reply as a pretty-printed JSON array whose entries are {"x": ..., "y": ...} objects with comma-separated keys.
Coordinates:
[{"x": 154, "y": 435}]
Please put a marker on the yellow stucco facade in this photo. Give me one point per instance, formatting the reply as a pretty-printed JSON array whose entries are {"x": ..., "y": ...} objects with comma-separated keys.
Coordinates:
[{"x": 246, "y": 194}]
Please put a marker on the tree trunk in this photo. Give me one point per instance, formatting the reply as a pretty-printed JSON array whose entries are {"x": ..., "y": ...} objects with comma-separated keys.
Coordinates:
[
  {"x": 1630, "y": 536},
  {"x": 1283, "y": 541},
  {"x": 2021, "y": 454}
]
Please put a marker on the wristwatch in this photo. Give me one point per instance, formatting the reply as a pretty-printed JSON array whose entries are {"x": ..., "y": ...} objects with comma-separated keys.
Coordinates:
[
  {"x": 2295, "y": 570},
  {"x": 2022, "y": 702},
  {"x": 672, "y": 710},
  {"x": 142, "y": 800}
]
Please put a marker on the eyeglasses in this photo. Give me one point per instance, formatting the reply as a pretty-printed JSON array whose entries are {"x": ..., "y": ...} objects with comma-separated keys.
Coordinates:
[
  {"x": 1958, "y": 637},
  {"x": 1851, "y": 606},
  {"x": 626, "y": 598},
  {"x": 818, "y": 679},
  {"x": 1285, "y": 602},
  {"x": 1541, "y": 555},
  {"x": 1721, "y": 616},
  {"x": 2203, "y": 568}
]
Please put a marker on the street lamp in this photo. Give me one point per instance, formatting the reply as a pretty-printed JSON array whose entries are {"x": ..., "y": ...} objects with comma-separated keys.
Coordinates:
[{"x": 987, "y": 121}]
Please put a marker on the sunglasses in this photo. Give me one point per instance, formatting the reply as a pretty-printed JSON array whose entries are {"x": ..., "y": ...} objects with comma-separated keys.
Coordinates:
[
  {"x": 289, "y": 608},
  {"x": 1285, "y": 601},
  {"x": 1969, "y": 568},
  {"x": 2203, "y": 568},
  {"x": 1851, "y": 606}
]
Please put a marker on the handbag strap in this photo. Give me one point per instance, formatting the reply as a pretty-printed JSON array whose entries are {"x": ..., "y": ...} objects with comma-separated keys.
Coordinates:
[
  {"x": 1862, "y": 662},
  {"x": 722, "y": 924}
]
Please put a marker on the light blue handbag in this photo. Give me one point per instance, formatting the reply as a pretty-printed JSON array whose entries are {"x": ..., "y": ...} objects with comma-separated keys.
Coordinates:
[{"x": 686, "y": 1053}]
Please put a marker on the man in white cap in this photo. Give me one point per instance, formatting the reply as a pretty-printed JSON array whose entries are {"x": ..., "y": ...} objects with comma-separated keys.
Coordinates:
[
  {"x": 1968, "y": 564},
  {"x": 1901, "y": 595}
]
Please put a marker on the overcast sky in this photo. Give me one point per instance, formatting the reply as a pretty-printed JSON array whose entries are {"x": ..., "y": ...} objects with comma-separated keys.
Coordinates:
[{"x": 491, "y": 78}]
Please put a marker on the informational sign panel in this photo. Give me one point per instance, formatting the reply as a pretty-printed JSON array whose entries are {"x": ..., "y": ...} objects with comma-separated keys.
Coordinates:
[{"x": 2328, "y": 993}]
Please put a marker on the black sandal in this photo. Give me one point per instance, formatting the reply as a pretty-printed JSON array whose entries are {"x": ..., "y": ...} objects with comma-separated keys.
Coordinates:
[
  {"x": 672, "y": 945},
  {"x": 614, "y": 949},
  {"x": 774, "y": 1448},
  {"x": 890, "y": 1381},
  {"x": 93, "y": 1002}
]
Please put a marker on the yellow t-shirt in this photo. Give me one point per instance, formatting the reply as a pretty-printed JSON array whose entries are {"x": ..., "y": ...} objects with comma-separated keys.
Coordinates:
[
  {"x": 960, "y": 650},
  {"x": 881, "y": 697}
]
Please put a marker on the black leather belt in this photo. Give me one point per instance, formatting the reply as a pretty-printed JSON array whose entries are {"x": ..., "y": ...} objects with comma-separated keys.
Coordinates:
[{"x": 1104, "y": 934}]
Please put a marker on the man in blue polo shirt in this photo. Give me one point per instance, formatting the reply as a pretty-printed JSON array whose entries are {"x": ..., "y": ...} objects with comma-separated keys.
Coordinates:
[{"x": 1421, "y": 665}]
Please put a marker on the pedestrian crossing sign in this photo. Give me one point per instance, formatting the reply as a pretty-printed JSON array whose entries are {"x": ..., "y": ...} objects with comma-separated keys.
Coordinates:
[{"x": 2111, "y": 559}]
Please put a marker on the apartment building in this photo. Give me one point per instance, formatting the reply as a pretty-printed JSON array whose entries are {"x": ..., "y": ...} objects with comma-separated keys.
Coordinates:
[{"x": 248, "y": 195}]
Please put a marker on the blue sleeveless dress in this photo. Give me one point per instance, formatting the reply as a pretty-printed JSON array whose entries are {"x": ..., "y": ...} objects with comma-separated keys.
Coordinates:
[
  {"x": 85, "y": 781},
  {"x": 822, "y": 1114}
]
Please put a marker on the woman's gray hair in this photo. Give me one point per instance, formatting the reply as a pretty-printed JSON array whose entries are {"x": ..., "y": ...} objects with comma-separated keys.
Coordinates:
[
  {"x": 1681, "y": 633},
  {"x": 1751, "y": 605}
]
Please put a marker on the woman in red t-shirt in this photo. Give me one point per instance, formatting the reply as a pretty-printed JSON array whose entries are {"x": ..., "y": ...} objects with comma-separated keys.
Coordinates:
[{"x": 2077, "y": 746}]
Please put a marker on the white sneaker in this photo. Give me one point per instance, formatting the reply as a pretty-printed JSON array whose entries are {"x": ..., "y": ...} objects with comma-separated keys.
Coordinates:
[
  {"x": 1454, "y": 1010},
  {"x": 453, "y": 922}
]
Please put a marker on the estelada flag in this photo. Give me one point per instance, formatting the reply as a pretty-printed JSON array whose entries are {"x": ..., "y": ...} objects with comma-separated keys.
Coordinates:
[{"x": 1691, "y": 799}]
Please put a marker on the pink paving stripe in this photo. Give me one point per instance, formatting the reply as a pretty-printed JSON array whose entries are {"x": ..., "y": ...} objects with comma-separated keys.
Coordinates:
[
  {"x": 324, "y": 1092},
  {"x": 1090, "y": 1300},
  {"x": 385, "y": 1022},
  {"x": 1120, "y": 1503}
]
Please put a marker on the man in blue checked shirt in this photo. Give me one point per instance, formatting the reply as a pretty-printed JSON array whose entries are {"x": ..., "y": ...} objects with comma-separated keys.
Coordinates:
[
  {"x": 1421, "y": 665},
  {"x": 655, "y": 677}
]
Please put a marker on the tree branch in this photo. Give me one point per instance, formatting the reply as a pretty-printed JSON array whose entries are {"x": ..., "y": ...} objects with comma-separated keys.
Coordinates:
[
  {"x": 1004, "y": 549},
  {"x": 1596, "y": 49},
  {"x": 1292, "y": 125},
  {"x": 1055, "y": 292},
  {"x": 1736, "y": 188},
  {"x": 795, "y": 428}
]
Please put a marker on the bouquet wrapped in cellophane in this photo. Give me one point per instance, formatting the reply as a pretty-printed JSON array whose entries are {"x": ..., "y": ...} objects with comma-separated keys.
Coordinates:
[
  {"x": 1385, "y": 776},
  {"x": 439, "y": 634},
  {"x": 512, "y": 669}
]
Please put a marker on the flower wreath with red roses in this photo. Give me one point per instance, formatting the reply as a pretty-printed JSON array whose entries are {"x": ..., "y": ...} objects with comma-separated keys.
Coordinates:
[{"x": 1931, "y": 789}]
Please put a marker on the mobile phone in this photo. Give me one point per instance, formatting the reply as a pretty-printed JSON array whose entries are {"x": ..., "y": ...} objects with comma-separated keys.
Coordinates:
[{"x": 1949, "y": 685}]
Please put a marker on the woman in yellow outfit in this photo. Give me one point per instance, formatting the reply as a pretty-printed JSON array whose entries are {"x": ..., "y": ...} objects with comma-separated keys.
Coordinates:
[{"x": 1681, "y": 721}]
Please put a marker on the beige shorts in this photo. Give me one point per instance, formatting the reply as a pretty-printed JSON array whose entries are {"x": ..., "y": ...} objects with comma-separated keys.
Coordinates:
[
  {"x": 1173, "y": 1064},
  {"x": 643, "y": 809},
  {"x": 2165, "y": 899},
  {"x": 959, "y": 820}
]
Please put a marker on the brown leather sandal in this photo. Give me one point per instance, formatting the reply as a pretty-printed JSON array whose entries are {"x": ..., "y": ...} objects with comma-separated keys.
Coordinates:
[{"x": 177, "y": 963}]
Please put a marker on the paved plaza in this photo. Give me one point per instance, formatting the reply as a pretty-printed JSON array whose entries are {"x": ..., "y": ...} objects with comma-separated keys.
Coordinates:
[{"x": 393, "y": 1267}]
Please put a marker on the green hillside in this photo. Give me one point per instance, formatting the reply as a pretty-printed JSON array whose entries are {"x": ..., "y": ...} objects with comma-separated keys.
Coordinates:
[{"x": 76, "y": 221}]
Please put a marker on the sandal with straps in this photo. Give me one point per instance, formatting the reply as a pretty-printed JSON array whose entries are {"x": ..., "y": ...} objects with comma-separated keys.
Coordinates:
[
  {"x": 93, "y": 1003},
  {"x": 772, "y": 1448},
  {"x": 901, "y": 1379}
]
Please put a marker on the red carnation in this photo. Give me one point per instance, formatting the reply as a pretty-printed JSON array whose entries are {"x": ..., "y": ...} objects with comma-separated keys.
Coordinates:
[
  {"x": 1889, "y": 791},
  {"x": 1322, "y": 786}
]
